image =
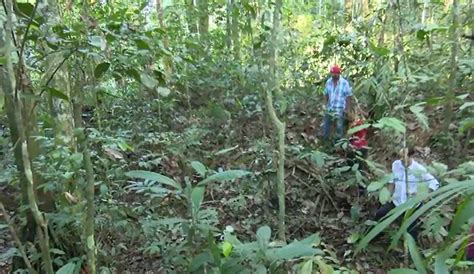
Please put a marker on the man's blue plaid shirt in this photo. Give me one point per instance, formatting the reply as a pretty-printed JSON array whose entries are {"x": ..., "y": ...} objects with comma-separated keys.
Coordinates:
[{"x": 337, "y": 95}]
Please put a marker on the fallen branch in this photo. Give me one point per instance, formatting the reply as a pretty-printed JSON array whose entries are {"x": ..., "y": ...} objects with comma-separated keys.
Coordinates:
[{"x": 321, "y": 183}]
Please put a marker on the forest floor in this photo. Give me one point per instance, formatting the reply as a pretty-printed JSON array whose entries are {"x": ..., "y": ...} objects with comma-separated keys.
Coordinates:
[{"x": 312, "y": 206}]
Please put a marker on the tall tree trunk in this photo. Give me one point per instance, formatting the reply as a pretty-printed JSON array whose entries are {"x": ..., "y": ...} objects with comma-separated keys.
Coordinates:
[
  {"x": 8, "y": 85},
  {"x": 203, "y": 6},
  {"x": 424, "y": 14},
  {"x": 277, "y": 123},
  {"x": 228, "y": 15},
  {"x": 234, "y": 18},
  {"x": 167, "y": 61},
  {"x": 57, "y": 77},
  {"x": 453, "y": 75},
  {"x": 192, "y": 25}
]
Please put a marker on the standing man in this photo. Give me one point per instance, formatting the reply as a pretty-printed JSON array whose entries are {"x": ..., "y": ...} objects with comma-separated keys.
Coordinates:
[{"x": 337, "y": 95}]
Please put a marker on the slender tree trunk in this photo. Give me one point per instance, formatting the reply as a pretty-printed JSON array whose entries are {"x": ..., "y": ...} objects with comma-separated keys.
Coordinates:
[
  {"x": 203, "y": 6},
  {"x": 453, "y": 74},
  {"x": 399, "y": 39},
  {"x": 470, "y": 21},
  {"x": 234, "y": 18},
  {"x": 167, "y": 61},
  {"x": 424, "y": 14},
  {"x": 228, "y": 15},
  {"x": 90, "y": 208},
  {"x": 192, "y": 25},
  {"x": 277, "y": 123},
  {"x": 8, "y": 83}
]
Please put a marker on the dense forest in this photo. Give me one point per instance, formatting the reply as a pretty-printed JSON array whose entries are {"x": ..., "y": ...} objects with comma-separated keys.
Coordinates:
[{"x": 190, "y": 136}]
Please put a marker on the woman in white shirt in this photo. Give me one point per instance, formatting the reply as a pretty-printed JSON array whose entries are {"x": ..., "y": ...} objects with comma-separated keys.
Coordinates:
[{"x": 419, "y": 179}]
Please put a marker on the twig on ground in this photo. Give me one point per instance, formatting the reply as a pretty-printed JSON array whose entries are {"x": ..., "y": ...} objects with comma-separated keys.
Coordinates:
[
  {"x": 321, "y": 183},
  {"x": 322, "y": 210}
]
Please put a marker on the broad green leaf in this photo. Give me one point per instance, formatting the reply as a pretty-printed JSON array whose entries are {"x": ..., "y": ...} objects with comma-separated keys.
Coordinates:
[
  {"x": 435, "y": 100},
  {"x": 323, "y": 267},
  {"x": 440, "y": 266},
  {"x": 57, "y": 251},
  {"x": 463, "y": 213},
  {"x": 170, "y": 221},
  {"x": 159, "y": 190},
  {"x": 226, "y": 249},
  {"x": 415, "y": 254},
  {"x": 291, "y": 251},
  {"x": 100, "y": 69},
  {"x": 421, "y": 34},
  {"x": 319, "y": 158},
  {"x": 374, "y": 186},
  {"x": 197, "y": 196},
  {"x": 357, "y": 128},
  {"x": 466, "y": 124},
  {"x": 148, "y": 81},
  {"x": 384, "y": 195},
  {"x": 353, "y": 238},
  {"x": 56, "y": 93},
  {"x": 3, "y": 226},
  {"x": 439, "y": 168},
  {"x": 263, "y": 235},
  {"x": 466, "y": 105},
  {"x": 141, "y": 44},
  {"x": 25, "y": 8},
  {"x": 261, "y": 269},
  {"x": 307, "y": 267},
  {"x": 134, "y": 74},
  {"x": 98, "y": 42},
  {"x": 403, "y": 271},
  {"x": 199, "y": 168},
  {"x": 162, "y": 91},
  {"x": 199, "y": 261},
  {"x": 379, "y": 51},
  {"x": 420, "y": 116},
  {"x": 90, "y": 241},
  {"x": 224, "y": 176},
  {"x": 312, "y": 240},
  {"x": 153, "y": 176},
  {"x": 215, "y": 250},
  {"x": 67, "y": 269},
  {"x": 224, "y": 151},
  {"x": 391, "y": 122}
]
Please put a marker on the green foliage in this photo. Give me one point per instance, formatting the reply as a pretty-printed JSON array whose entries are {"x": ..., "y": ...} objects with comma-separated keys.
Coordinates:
[
  {"x": 154, "y": 177},
  {"x": 415, "y": 254},
  {"x": 159, "y": 94}
]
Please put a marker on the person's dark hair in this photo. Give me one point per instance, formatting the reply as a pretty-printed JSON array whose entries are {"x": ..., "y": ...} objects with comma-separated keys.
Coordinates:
[{"x": 409, "y": 150}]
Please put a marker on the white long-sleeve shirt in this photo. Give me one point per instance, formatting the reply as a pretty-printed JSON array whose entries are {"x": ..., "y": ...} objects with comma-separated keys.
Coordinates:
[{"x": 417, "y": 175}]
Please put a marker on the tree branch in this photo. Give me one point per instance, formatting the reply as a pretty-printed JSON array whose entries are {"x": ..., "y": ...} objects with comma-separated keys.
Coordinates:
[{"x": 23, "y": 42}]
